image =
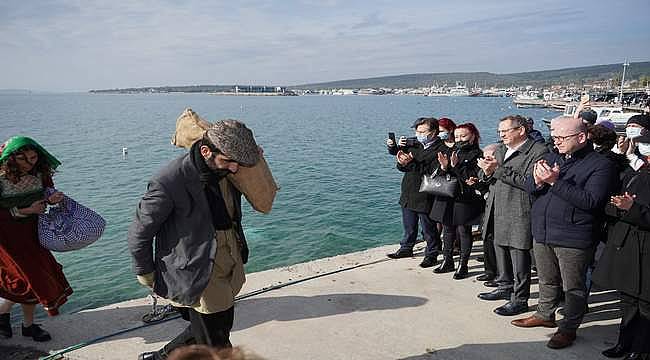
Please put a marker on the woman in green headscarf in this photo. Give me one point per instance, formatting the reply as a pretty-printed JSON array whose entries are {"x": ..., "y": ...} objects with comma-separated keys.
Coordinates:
[{"x": 29, "y": 274}]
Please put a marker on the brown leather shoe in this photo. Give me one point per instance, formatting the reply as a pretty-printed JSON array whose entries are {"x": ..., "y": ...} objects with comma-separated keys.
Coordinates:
[
  {"x": 533, "y": 321},
  {"x": 562, "y": 339}
]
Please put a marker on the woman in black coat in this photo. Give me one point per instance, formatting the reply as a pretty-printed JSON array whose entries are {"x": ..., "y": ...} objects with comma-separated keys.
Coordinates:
[
  {"x": 458, "y": 214},
  {"x": 625, "y": 263}
]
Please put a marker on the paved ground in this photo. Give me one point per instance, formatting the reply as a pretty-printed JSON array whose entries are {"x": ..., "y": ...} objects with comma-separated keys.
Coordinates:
[{"x": 388, "y": 310}]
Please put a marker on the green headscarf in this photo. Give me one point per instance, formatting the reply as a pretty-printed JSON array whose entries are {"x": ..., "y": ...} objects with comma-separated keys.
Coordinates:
[{"x": 17, "y": 142}]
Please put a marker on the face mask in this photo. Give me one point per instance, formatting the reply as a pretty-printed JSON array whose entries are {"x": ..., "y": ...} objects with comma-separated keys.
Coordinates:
[
  {"x": 424, "y": 139},
  {"x": 644, "y": 149},
  {"x": 462, "y": 144},
  {"x": 443, "y": 135},
  {"x": 632, "y": 132}
]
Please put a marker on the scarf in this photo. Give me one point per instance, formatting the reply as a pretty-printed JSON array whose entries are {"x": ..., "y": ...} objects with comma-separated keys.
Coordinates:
[{"x": 210, "y": 183}]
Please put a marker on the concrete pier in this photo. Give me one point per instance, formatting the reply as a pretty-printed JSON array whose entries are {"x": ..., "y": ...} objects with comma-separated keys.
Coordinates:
[{"x": 387, "y": 310}]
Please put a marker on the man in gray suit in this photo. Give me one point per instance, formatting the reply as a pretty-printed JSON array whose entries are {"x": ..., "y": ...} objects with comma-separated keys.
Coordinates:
[
  {"x": 191, "y": 216},
  {"x": 507, "y": 212}
]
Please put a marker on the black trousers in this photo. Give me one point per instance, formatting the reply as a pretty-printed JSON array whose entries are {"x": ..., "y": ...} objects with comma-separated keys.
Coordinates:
[
  {"x": 208, "y": 329},
  {"x": 464, "y": 235},
  {"x": 489, "y": 255},
  {"x": 634, "y": 332}
]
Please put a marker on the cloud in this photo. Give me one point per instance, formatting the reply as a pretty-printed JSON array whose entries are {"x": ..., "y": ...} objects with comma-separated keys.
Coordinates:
[{"x": 64, "y": 45}]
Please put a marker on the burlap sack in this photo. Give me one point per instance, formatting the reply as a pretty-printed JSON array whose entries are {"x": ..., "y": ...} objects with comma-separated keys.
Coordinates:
[
  {"x": 255, "y": 182},
  {"x": 257, "y": 185},
  {"x": 189, "y": 128}
]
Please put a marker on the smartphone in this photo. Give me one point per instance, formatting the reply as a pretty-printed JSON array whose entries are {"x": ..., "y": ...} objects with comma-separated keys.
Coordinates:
[{"x": 391, "y": 135}]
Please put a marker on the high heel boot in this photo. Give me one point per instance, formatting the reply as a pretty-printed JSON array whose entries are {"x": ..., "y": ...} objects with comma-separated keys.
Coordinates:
[
  {"x": 462, "y": 271},
  {"x": 5, "y": 326},
  {"x": 446, "y": 266}
]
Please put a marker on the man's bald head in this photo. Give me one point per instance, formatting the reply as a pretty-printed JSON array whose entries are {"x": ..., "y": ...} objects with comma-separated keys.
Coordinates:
[
  {"x": 566, "y": 125},
  {"x": 569, "y": 134}
]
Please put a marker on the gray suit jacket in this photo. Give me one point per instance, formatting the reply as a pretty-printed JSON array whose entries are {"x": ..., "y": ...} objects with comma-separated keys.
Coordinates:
[
  {"x": 508, "y": 201},
  {"x": 175, "y": 212}
]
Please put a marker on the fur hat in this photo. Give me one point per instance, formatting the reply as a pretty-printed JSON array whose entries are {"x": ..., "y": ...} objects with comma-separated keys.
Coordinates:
[
  {"x": 235, "y": 140},
  {"x": 643, "y": 120}
]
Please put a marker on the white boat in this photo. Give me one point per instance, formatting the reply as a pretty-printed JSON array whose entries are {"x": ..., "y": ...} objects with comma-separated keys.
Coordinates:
[{"x": 459, "y": 90}]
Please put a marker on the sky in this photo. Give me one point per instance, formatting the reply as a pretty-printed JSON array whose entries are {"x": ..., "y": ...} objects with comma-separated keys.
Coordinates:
[{"x": 65, "y": 45}]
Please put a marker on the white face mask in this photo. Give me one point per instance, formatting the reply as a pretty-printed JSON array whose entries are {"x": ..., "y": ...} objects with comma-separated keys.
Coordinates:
[
  {"x": 644, "y": 149},
  {"x": 632, "y": 132}
]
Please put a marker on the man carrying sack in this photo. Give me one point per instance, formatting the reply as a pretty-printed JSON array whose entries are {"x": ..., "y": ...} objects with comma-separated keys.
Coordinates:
[{"x": 191, "y": 215}]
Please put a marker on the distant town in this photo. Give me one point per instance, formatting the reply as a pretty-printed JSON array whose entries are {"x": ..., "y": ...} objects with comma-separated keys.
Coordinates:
[{"x": 625, "y": 84}]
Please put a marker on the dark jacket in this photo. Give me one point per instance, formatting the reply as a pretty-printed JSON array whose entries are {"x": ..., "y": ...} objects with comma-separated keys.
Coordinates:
[
  {"x": 175, "y": 212},
  {"x": 467, "y": 206},
  {"x": 536, "y": 136},
  {"x": 625, "y": 263},
  {"x": 508, "y": 204},
  {"x": 411, "y": 197},
  {"x": 570, "y": 213}
]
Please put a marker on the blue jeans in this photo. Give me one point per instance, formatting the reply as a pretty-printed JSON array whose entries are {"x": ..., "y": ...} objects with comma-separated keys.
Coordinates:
[{"x": 410, "y": 219}]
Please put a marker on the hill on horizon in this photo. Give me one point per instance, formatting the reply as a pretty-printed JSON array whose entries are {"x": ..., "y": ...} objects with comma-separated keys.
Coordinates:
[
  {"x": 543, "y": 78},
  {"x": 577, "y": 75}
]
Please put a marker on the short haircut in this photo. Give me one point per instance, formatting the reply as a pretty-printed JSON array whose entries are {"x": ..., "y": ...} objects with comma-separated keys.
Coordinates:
[
  {"x": 431, "y": 122},
  {"x": 602, "y": 136},
  {"x": 517, "y": 119}
]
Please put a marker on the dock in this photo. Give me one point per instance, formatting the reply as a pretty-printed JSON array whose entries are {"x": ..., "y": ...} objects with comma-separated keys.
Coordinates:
[{"x": 354, "y": 306}]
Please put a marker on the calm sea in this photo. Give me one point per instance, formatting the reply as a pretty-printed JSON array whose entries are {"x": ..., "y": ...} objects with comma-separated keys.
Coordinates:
[{"x": 339, "y": 186}]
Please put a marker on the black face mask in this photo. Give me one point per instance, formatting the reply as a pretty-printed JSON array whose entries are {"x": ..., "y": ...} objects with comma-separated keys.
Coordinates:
[{"x": 463, "y": 144}]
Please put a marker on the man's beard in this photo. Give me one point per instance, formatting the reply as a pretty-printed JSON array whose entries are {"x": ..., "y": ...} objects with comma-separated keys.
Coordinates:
[{"x": 220, "y": 173}]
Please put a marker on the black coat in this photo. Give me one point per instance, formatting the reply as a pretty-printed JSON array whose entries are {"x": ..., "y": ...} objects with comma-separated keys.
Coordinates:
[
  {"x": 625, "y": 263},
  {"x": 467, "y": 207},
  {"x": 411, "y": 197},
  {"x": 570, "y": 213}
]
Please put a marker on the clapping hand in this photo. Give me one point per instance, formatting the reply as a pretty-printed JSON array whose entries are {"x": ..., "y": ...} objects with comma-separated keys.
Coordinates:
[
  {"x": 488, "y": 164},
  {"x": 454, "y": 159},
  {"x": 623, "y": 202},
  {"x": 544, "y": 173},
  {"x": 471, "y": 181},
  {"x": 443, "y": 160}
]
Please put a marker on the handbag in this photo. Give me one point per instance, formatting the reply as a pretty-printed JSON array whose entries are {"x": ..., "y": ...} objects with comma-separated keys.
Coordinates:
[
  {"x": 69, "y": 226},
  {"x": 439, "y": 184}
]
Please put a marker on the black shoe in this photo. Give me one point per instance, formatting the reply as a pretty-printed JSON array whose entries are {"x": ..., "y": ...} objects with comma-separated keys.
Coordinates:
[
  {"x": 491, "y": 284},
  {"x": 510, "y": 309},
  {"x": 36, "y": 332},
  {"x": 446, "y": 266},
  {"x": 498, "y": 294},
  {"x": 5, "y": 326},
  {"x": 401, "y": 253},
  {"x": 615, "y": 352},
  {"x": 485, "y": 277},
  {"x": 151, "y": 355},
  {"x": 429, "y": 261}
]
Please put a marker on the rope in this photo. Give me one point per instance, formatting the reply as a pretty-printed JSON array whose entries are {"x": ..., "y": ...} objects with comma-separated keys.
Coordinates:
[{"x": 162, "y": 316}]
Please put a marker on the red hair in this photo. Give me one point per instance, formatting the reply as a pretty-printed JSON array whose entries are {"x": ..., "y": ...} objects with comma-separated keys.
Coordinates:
[
  {"x": 446, "y": 123},
  {"x": 472, "y": 129}
]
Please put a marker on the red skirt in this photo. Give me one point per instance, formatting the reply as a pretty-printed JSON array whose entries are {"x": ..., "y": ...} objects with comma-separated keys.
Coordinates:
[{"x": 29, "y": 274}]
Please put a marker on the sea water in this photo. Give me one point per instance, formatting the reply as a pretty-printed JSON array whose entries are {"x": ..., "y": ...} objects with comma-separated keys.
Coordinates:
[{"x": 339, "y": 186}]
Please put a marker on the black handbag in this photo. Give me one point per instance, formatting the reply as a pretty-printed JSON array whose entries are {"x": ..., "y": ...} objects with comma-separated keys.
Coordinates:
[{"x": 440, "y": 185}]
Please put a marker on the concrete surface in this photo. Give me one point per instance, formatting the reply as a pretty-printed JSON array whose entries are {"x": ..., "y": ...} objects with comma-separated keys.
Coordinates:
[{"x": 388, "y": 310}]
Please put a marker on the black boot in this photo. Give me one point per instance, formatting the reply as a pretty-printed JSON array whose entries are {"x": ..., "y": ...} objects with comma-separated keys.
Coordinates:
[
  {"x": 446, "y": 266},
  {"x": 5, "y": 326},
  {"x": 462, "y": 271}
]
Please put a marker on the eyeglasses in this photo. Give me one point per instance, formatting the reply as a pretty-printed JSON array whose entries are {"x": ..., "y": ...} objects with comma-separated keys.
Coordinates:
[
  {"x": 563, "y": 138},
  {"x": 499, "y": 132}
]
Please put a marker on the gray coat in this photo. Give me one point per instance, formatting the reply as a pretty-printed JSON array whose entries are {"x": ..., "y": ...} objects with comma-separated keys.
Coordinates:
[
  {"x": 508, "y": 202},
  {"x": 175, "y": 212}
]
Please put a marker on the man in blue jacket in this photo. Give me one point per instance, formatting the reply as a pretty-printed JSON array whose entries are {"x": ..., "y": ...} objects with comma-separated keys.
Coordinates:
[{"x": 570, "y": 189}]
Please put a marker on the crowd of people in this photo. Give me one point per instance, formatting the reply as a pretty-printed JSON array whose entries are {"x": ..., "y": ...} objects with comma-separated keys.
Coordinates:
[{"x": 574, "y": 208}]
